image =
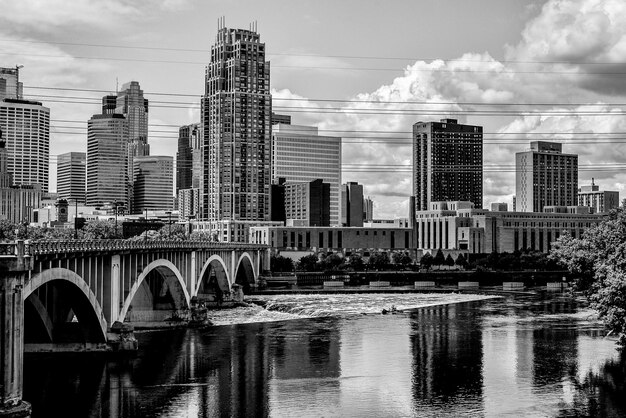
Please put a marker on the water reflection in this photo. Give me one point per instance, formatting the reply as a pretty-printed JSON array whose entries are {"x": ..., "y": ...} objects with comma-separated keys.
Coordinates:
[{"x": 497, "y": 358}]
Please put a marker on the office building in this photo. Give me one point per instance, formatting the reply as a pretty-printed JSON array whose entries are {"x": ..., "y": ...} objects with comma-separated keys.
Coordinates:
[
  {"x": 300, "y": 154},
  {"x": 153, "y": 181},
  {"x": 545, "y": 176},
  {"x": 277, "y": 193},
  {"x": 447, "y": 162},
  {"x": 107, "y": 159},
  {"x": 188, "y": 204},
  {"x": 10, "y": 85},
  {"x": 26, "y": 128},
  {"x": 307, "y": 204},
  {"x": 189, "y": 157},
  {"x": 499, "y": 207},
  {"x": 131, "y": 103},
  {"x": 71, "y": 174},
  {"x": 600, "y": 201},
  {"x": 283, "y": 119},
  {"x": 352, "y": 204},
  {"x": 236, "y": 117},
  {"x": 368, "y": 210}
]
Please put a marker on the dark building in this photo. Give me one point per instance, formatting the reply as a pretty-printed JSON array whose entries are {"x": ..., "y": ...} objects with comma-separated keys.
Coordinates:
[
  {"x": 284, "y": 119},
  {"x": 447, "y": 163},
  {"x": 278, "y": 200},
  {"x": 236, "y": 116},
  {"x": 188, "y": 162},
  {"x": 352, "y": 204},
  {"x": 308, "y": 204}
]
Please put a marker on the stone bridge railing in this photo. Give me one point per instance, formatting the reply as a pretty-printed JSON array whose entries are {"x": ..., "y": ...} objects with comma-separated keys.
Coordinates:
[{"x": 53, "y": 246}]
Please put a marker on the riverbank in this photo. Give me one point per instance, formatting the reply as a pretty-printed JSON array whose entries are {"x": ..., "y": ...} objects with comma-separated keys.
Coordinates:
[{"x": 283, "y": 307}]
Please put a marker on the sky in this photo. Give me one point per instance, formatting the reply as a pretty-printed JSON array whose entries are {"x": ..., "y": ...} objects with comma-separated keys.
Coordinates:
[{"x": 361, "y": 69}]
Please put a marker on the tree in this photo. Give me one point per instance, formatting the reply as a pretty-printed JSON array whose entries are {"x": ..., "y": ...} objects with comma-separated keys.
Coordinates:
[
  {"x": 378, "y": 260},
  {"x": 597, "y": 261},
  {"x": 105, "y": 229},
  {"x": 200, "y": 235},
  {"x": 7, "y": 230},
  {"x": 426, "y": 261},
  {"x": 278, "y": 263},
  {"x": 331, "y": 262},
  {"x": 461, "y": 261},
  {"x": 356, "y": 262},
  {"x": 439, "y": 259},
  {"x": 449, "y": 260},
  {"x": 172, "y": 232},
  {"x": 307, "y": 263},
  {"x": 402, "y": 258}
]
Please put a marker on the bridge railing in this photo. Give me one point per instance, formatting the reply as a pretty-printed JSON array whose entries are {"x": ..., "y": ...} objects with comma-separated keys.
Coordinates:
[
  {"x": 14, "y": 249},
  {"x": 60, "y": 246}
]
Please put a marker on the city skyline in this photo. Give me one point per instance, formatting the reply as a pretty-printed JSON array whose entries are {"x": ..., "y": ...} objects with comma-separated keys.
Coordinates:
[{"x": 535, "y": 53}]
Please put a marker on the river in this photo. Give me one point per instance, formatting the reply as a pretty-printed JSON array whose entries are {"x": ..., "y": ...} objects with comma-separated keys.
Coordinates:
[{"x": 514, "y": 356}]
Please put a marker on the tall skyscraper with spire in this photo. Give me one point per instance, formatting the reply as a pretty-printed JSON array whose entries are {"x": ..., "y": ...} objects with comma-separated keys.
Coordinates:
[
  {"x": 131, "y": 103},
  {"x": 236, "y": 116}
]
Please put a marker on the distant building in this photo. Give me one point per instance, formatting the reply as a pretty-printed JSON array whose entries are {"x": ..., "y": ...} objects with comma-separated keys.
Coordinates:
[
  {"x": 107, "y": 159},
  {"x": 307, "y": 204},
  {"x": 368, "y": 210},
  {"x": 26, "y": 128},
  {"x": 278, "y": 200},
  {"x": 236, "y": 116},
  {"x": 131, "y": 103},
  {"x": 352, "y": 204},
  {"x": 284, "y": 119},
  {"x": 300, "y": 154},
  {"x": 153, "y": 183},
  {"x": 188, "y": 203},
  {"x": 600, "y": 201},
  {"x": 544, "y": 176},
  {"x": 189, "y": 157},
  {"x": 499, "y": 207},
  {"x": 447, "y": 162},
  {"x": 10, "y": 85},
  {"x": 71, "y": 174}
]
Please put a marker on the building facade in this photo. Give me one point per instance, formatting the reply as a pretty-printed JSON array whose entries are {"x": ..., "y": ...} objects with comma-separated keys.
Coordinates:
[
  {"x": 544, "y": 176},
  {"x": 447, "y": 162},
  {"x": 368, "y": 210},
  {"x": 352, "y": 210},
  {"x": 459, "y": 226},
  {"x": 300, "y": 154},
  {"x": 153, "y": 181},
  {"x": 107, "y": 159},
  {"x": 189, "y": 157},
  {"x": 188, "y": 204},
  {"x": 600, "y": 201},
  {"x": 307, "y": 204},
  {"x": 131, "y": 103},
  {"x": 26, "y": 128},
  {"x": 236, "y": 117},
  {"x": 71, "y": 175},
  {"x": 10, "y": 85}
]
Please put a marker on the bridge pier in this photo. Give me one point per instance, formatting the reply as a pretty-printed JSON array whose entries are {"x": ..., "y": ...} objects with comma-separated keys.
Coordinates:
[{"x": 13, "y": 272}]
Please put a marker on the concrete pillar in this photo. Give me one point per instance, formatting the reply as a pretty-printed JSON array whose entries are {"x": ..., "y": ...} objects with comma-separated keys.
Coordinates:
[
  {"x": 193, "y": 279},
  {"x": 113, "y": 307},
  {"x": 13, "y": 273},
  {"x": 233, "y": 260}
]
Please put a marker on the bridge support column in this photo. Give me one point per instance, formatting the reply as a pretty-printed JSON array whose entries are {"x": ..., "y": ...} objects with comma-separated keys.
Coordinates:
[{"x": 13, "y": 272}]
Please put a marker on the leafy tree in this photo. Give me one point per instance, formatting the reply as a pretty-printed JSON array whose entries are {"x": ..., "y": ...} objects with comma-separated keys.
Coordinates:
[
  {"x": 439, "y": 259},
  {"x": 102, "y": 229},
  {"x": 402, "y": 258},
  {"x": 461, "y": 261},
  {"x": 356, "y": 262},
  {"x": 200, "y": 235},
  {"x": 378, "y": 260},
  {"x": 449, "y": 260},
  {"x": 308, "y": 263},
  {"x": 173, "y": 232},
  {"x": 278, "y": 263},
  {"x": 508, "y": 262},
  {"x": 331, "y": 262},
  {"x": 597, "y": 260},
  {"x": 426, "y": 261},
  {"x": 7, "y": 230}
]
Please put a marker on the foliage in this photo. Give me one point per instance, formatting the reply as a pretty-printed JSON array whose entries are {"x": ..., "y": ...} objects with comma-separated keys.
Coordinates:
[
  {"x": 203, "y": 236},
  {"x": 331, "y": 262},
  {"x": 449, "y": 261},
  {"x": 461, "y": 261},
  {"x": 102, "y": 229},
  {"x": 378, "y": 260},
  {"x": 402, "y": 258},
  {"x": 173, "y": 232},
  {"x": 278, "y": 263},
  {"x": 7, "y": 230},
  {"x": 439, "y": 258},
  {"x": 427, "y": 261},
  {"x": 307, "y": 263},
  {"x": 597, "y": 261},
  {"x": 356, "y": 262}
]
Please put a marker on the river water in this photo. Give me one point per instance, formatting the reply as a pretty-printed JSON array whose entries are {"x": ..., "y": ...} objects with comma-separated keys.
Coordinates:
[{"x": 512, "y": 357}]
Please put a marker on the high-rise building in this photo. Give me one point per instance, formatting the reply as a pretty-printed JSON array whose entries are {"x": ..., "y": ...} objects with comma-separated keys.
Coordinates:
[
  {"x": 236, "y": 116},
  {"x": 284, "y": 119},
  {"x": 107, "y": 160},
  {"x": 278, "y": 200},
  {"x": 544, "y": 176},
  {"x": 131, "y": 103},
  {"x": 307, "y": 204},
  {"x": 368, "y": 210},
  {"x": 26, "y": 127},
  {"x": 10, "y": 85},
  {"x": 600, "y": 201},
  {"x": 188, "y": 203},
  {"x": 6, "y": 180},
  {"x": 189, "y": 157},
  {"x": 300, "y": 154},
  {"x": 447, "y": 162},
  {"x": 153, "y": 181},
  {"x": 71, "y": 174},
  {"x": 352, "y": 204}
]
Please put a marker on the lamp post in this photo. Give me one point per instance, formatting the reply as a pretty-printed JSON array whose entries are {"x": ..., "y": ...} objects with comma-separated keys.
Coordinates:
[{"x": 145, "y": 236}]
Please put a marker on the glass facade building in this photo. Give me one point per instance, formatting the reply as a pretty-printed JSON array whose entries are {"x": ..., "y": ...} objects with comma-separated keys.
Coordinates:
[
  {"x": 300, "y": 154},
  {"x": 153, "y": 183},
  {"x": 71, "y": 174}
]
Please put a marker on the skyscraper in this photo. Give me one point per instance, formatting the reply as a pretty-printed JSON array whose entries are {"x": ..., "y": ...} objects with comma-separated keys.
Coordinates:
[
  {"x": 308, "y": 203},
  {"x": 189, "y": 157},
  {"x": 107, "y": 160},
  {"x": 368, "y": 210},
  {"x": 300, "y": 154},
  {"x": 352, "y": 204},
  {"x": 71, "y": 172},
  {"x": 153, "y": 183},
  {"x": 10, "y": 85},
  {"x": 544, "y": 176},
  {"x": 236, "y": 116},
  {"x": 447, "y": 163},
  {"x": 131, "y": 103}
]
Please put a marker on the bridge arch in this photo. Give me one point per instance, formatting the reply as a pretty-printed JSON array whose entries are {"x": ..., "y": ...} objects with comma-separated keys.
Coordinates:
[
  {"x": 75, "y": 282},
  {"x": 172, "y": 279},
  {"x": 214, "y": 272},
  {"x": 244, "y": 273}
]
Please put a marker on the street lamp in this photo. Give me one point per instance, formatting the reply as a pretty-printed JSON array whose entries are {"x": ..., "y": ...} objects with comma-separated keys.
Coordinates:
[{"x": 145, "y": 236}]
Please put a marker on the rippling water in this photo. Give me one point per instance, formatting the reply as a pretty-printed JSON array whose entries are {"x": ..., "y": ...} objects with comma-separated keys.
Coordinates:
[{"x": 499, "y": 357}]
